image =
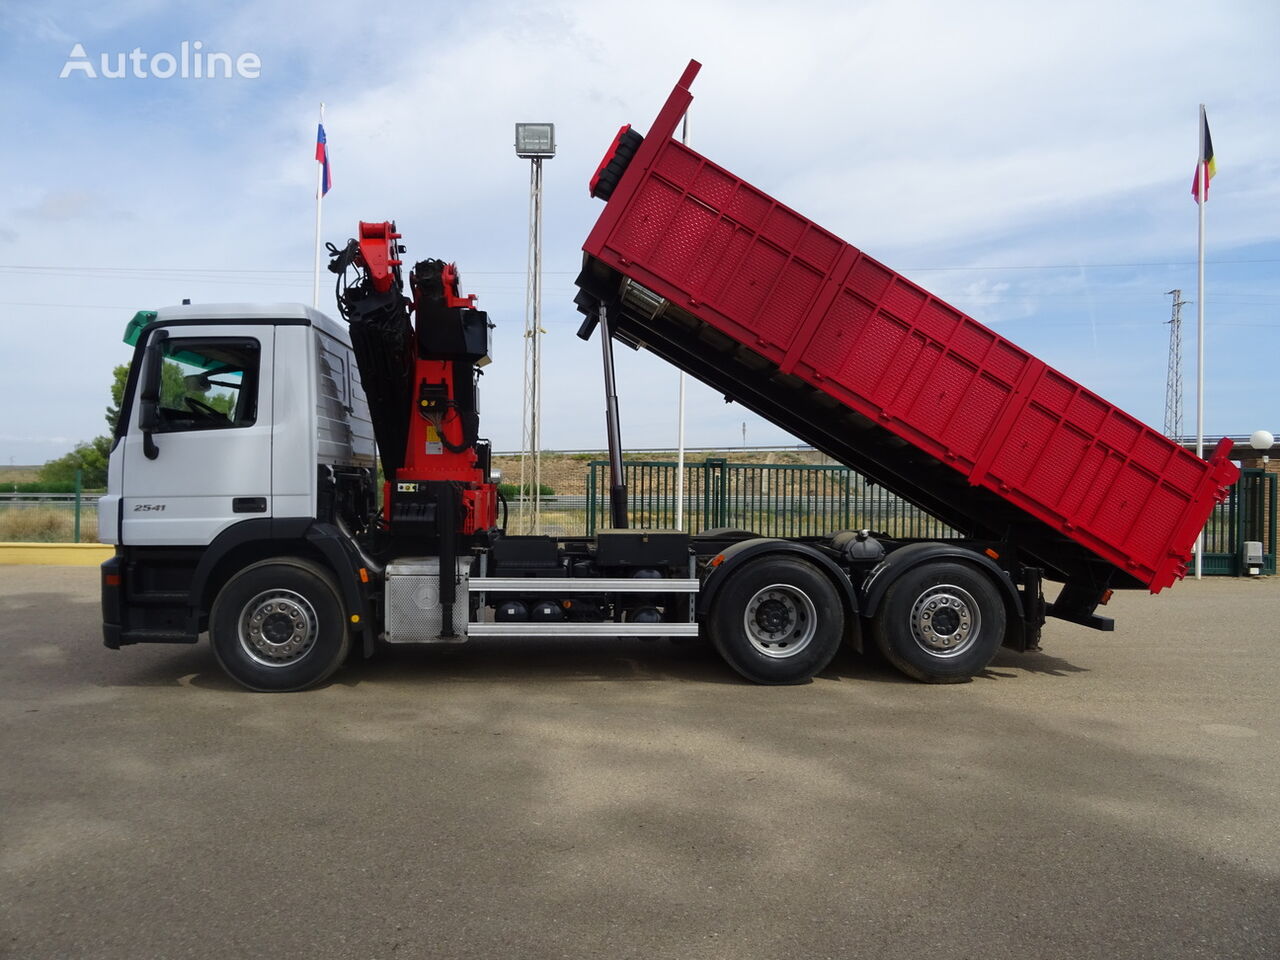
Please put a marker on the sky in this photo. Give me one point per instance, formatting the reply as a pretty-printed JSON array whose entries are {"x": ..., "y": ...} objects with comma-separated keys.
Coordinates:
[{"x": 1029, "y": 162}]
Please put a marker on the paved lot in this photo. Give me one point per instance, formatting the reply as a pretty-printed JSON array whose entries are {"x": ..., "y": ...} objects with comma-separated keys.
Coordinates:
[{"x": 1113, "y": 797}]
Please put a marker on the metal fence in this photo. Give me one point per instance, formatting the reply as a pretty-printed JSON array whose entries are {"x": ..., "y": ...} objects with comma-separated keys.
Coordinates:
[
  {"x": 778, "y": 500},
  {"x": 561, "y": 515},
  {"x": 48, "y": 517},
  {"x": 1249, "y": 513},
  {"x": 782, "y": 500}
]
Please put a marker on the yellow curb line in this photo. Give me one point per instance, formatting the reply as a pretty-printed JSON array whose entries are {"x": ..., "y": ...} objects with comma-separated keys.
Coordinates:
[{"x": 55, "y": 554}]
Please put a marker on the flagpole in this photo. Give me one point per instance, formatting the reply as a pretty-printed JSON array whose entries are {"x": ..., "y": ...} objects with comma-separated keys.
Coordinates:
[
  {"x": 315, "y": 282},
  {"x": 1202, "y": 171}
]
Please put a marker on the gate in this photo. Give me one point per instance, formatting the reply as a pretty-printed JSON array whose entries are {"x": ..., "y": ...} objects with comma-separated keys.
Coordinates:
[{"x": 1248, "y": 514}]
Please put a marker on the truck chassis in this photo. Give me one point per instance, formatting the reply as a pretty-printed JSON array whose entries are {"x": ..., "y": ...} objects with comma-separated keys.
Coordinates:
[{"x": 246, "y": 504}]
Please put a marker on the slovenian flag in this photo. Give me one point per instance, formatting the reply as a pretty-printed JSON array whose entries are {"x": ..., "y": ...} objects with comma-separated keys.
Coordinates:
[
  {"x": 1206, "y": 159},
  {"x": 322, "y": 157}
]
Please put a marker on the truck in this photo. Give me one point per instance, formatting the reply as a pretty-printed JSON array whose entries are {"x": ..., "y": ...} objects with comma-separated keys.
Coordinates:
[{"x": 244, "y": 500}]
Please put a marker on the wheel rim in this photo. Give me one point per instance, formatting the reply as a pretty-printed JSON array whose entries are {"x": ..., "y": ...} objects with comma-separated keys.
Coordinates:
[
  {"x": 780, "y": 621},
  {"x": 278, "y": 628},
  {"x": 945, "y": 621}
]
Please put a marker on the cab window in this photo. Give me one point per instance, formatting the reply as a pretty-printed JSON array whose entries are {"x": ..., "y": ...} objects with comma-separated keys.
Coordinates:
[{"x": 208, "y": 383}]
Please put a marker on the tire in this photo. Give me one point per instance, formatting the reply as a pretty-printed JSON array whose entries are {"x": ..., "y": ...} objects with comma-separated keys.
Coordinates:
[
  {"x": 940, "y": 622},
  {"x": 615, "y": 166},
  {"x": 778, "y": 620},
  {"x": 279, "y": 625}
]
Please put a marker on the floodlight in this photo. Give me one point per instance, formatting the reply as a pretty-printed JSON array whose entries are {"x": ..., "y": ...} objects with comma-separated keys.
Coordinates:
[{"x": 536, "y": 141}]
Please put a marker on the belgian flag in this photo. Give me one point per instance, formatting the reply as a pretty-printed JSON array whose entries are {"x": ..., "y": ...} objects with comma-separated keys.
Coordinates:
[{"x": 1206, "y": 159}]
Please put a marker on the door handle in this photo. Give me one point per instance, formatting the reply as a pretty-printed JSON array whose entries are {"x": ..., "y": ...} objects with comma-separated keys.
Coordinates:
[{"x": 249, "y": 505}]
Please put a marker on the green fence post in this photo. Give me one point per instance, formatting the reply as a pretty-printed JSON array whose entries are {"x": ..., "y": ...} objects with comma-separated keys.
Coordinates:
[
  {"x": 1242, "y": 520},
  {"x": 639, "y": 479},
  {"x": 1271, "y": 522},
  {"x": 1227, "y": 538},
  {"x": 79, "y": 481},
  {"x": 705, "y": 470},
  {"x": 722, "y": 492},
  {"x": 591, "y": 499}
]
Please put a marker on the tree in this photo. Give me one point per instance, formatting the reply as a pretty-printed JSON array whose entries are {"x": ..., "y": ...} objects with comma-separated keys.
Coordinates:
[
  {"x": 120, "y": 376},
  {"x": 173, "y": 386},
  {"x": 92, "y": 457},
  {"x": 89, "y": 457},
  {"x": 172, "y": 389}
]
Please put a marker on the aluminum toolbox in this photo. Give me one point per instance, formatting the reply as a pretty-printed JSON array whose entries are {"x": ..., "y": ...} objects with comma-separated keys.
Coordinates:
[{"x": 414, "y": 613}]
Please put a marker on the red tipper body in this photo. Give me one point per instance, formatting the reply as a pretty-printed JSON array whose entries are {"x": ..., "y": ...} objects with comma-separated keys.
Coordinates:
[{"x": 844, "y": 352}]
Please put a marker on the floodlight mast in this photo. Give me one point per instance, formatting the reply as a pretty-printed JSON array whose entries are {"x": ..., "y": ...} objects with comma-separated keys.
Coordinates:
[
  {"x": 1173, "y": 382},
  {"x": 535, "y": 142}
]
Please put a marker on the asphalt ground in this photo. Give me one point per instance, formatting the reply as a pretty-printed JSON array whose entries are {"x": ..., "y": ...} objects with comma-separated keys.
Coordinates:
[{"x": 1114, "y": 796}]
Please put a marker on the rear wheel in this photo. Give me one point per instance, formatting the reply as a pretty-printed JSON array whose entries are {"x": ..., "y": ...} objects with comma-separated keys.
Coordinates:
[
  {"x": 941, "y": 622},
  {"x": 777, "y": 620},
  {"x": 279, "y": 625}
]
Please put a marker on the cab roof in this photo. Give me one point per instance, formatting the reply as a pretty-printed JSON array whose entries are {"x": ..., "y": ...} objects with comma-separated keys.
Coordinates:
[{"x": 231, "y": 312}]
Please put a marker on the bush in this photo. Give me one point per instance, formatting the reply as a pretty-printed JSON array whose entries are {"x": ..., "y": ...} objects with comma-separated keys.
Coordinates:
[
  {"x": 40, "y": 486},
  {"x": 91, "y": 458},
  {"x": 512, "y": 490}
]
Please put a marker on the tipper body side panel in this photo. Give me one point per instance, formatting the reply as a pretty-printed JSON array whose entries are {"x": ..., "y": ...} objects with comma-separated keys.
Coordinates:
[{"x": 788, "y": 319}]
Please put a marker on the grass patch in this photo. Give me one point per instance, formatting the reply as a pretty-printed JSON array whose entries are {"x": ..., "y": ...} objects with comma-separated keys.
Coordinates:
[
  {"x": 555, "y": 523},
  {"x": 43, "y": 525},
  {"x": 15, "y": 474}
]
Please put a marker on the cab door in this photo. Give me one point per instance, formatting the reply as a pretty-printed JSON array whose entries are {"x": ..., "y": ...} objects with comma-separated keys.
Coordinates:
[{"x": 197, "y": 454}]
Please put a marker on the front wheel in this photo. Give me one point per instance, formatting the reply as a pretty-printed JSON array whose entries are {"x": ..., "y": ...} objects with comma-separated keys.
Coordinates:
[
  {"x": 279, "y": 625},
  {"x": 777, "y": 620},
  {"x": 940, "y": 622}
]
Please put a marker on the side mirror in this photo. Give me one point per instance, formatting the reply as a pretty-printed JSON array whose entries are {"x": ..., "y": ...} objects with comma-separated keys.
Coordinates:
[{"x": 149, "y": 393}]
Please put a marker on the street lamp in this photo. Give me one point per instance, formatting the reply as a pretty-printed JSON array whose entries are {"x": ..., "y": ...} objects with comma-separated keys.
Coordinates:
[
  {"x": 535, "y": 142},
  {"x": 1260, "y": 441}
]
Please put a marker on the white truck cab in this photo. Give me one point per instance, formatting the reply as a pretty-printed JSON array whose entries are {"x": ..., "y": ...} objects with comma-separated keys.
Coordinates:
[
  {"x": 243, "y": 431},
  {"x": 235, "y": 408}
]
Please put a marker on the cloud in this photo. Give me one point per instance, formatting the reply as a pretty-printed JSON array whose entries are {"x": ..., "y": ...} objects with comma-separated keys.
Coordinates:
[
  {"x": 54, "y": 441},
  {"x": 66, "y": 205},
  {"x": 35, "y": 25},
  {"x": 983, "y": 137},
  {"x": 984, "y": 292}
]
